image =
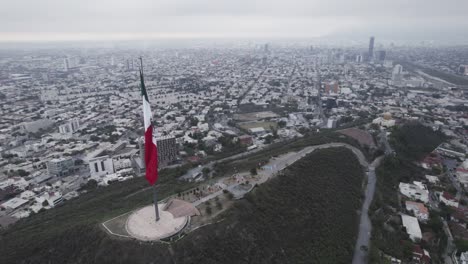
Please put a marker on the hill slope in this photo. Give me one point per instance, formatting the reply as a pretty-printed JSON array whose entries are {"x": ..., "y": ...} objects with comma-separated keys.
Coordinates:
[{"x": 307, "y": 215}]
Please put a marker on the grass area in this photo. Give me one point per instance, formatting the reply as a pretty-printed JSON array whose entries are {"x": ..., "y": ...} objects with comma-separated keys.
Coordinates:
[{"x": 267, "y": 125}]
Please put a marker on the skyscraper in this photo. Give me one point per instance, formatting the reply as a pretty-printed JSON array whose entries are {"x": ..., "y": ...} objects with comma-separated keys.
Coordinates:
[{"x": 371, "y": 48}]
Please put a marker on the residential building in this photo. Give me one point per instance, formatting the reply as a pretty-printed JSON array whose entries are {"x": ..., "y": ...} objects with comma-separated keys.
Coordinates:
[
  {"x": 70, "y": 127},
  {"x": 52, "y": 198},
  {"x": 416, "y": 191},
  {"x": 246, "y": 140},
  {"x": 412, "y": 227},
  {"x": 61, "y": 167},
  {"x": 14, "y": 203},
  {"x": 101, "y": 166},
  {"x": 464, "y": 258},
  {"x": 35, "y": 126},
  {"x": 420, "y": 211}
]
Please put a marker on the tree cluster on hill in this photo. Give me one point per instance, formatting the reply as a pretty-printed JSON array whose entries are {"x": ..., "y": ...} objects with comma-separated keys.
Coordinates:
[
  {"x": 306, "y": 215},
  {"x": 413, "y": 141}
]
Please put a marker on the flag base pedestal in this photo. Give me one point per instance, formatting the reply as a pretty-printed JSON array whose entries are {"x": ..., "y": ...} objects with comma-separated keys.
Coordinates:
[{"x": 142, "y": 224}]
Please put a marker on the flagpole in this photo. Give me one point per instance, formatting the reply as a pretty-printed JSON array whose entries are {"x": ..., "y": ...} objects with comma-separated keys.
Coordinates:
[{"x": 155, "y": 198}]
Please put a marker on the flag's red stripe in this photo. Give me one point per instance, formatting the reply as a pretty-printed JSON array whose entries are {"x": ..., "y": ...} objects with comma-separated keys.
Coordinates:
[{"x": 151, "y": 157}]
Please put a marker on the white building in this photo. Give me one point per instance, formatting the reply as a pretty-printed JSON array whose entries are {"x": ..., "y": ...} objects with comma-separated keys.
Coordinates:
[
  {"x": 331, "y": 123},
  {"x": 14, "y": 203},
  {"x": 417, "y": 191},
  {"x": 384, "y": 122},
  {"x": 120, "y": 164},
  {"x": 52, "y": 198},
  {"x": 462, "y": 175},
  {"x": 412, "y": 227},
  {"x": 432, "y": 179},
  {"x": 101, "y": 166},
  {"x": 464, "y": 258},
  {"x": 71, "y": 127}
]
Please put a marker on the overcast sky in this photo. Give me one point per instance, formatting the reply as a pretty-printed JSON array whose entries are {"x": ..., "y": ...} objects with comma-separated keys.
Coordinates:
[{"x": 53, "y": 20}]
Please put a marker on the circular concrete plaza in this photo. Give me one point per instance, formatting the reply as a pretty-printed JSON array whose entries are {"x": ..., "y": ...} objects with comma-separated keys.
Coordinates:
[{"x": 141, "y": 224}]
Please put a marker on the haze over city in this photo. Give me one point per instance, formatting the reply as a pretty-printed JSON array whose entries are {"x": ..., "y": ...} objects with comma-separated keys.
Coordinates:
[{"x": 234, "y": 132}]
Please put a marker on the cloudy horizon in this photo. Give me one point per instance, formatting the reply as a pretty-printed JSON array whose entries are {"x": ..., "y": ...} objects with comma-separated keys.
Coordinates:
[{"x": 56, "y": 20}]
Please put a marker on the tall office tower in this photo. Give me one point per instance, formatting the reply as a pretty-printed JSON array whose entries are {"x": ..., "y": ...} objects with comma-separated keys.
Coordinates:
[
  {"x": 112, "y": 61},
  {"x": 266, "y": 47},
  {"x": 371, "y": 48}
]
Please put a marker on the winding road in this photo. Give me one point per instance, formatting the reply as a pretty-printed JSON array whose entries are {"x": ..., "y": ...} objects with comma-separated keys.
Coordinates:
[{"x": 365, "y": 225}]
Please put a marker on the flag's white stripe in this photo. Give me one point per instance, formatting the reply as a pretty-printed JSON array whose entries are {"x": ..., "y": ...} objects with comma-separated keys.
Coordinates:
[{"x": 146, "y": 113}]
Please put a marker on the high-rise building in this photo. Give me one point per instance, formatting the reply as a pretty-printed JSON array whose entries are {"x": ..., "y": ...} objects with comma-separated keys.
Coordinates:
[
  {"x": 60, "y": 167},
  {"x": 167, "y": 150},
  {"x": 101, "y": 166},
  {"x": 71, "y": 127},
  {"x": 371, "y": 48},
  {"x": 358, "y": 58},
  {"x": 70, "y": 63}
]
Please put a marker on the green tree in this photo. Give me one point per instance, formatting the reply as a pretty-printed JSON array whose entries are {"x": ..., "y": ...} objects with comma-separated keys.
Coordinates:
[{"x": 253, "y": 171}]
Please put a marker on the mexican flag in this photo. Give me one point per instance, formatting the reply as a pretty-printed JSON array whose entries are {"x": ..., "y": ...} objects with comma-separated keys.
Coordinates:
[{"x": 151, "y": 151}]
